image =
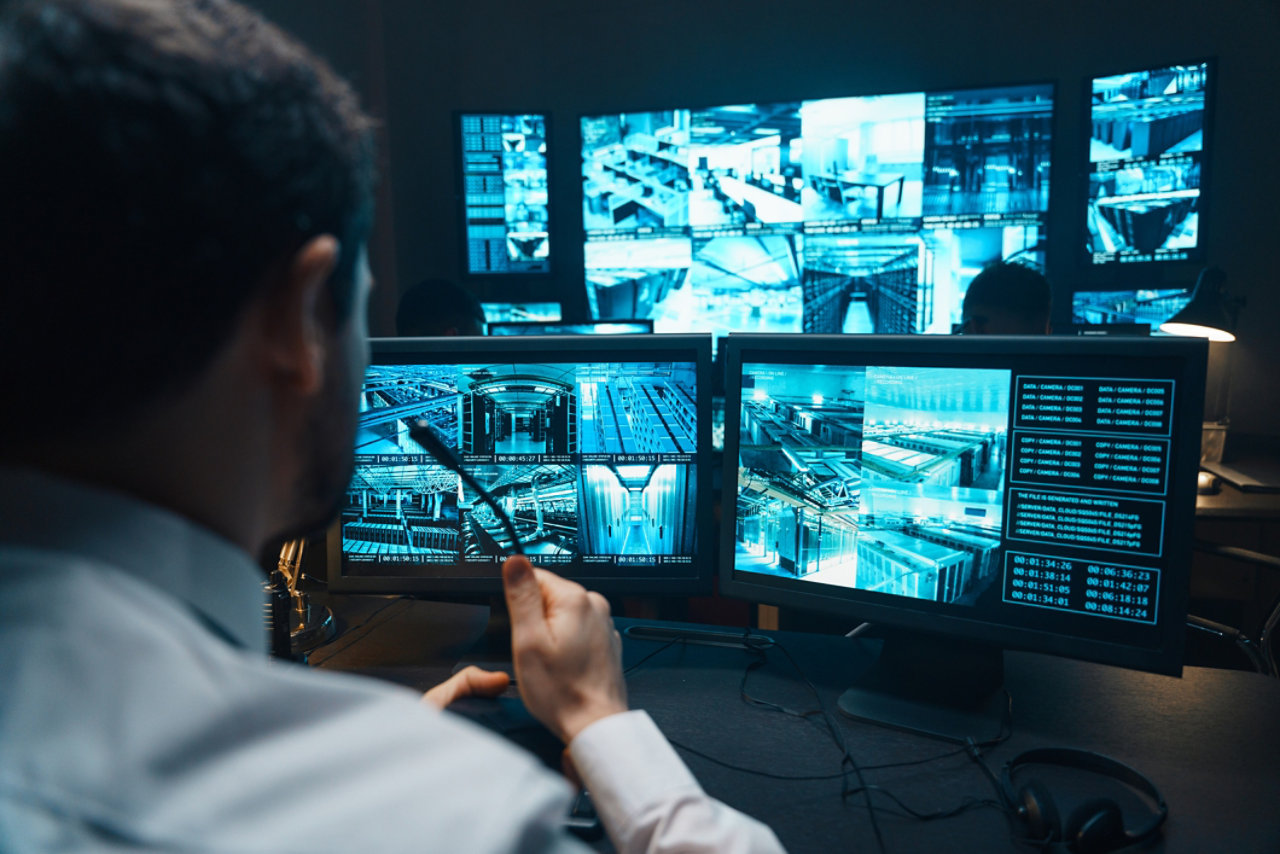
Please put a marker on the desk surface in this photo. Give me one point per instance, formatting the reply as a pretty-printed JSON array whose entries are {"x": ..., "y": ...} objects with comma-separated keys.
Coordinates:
[
  {"x": 1232, "y": 503},
  {"x": 1209, "y": 741}
]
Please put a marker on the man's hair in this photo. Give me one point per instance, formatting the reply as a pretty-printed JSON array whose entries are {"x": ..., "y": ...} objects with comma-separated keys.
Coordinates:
[
  {"x": 438, "y": 307},
  {"x": 158, "y": 160},
  {"x": 1017, "y": 290}
]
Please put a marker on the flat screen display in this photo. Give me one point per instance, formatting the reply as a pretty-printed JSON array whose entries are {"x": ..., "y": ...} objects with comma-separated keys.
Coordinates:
[
  {"x": 597, "y": 453},
  {"x": 1146, "y": 164},
  {"x": 862, "y": 214},
  {"x": 1150, "y": 307},
  {"x": 520, "y": 312},
  {"x": 588, "y": 327},
  {"x": 504, "y": 187},
  {"x": 1025, "y": 491}
]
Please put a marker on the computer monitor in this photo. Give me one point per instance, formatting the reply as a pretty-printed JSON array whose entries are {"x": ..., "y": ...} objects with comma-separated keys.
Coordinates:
[
  {"x": 1147, "y": 155},
  {"x": 860, "y": 214},
  {"x": 504, "y": 192},
  {"x": 597, "y": 448},
  {"x": 568, "y": 327},
  {"x": 520, "y": 312},
  {"x": 1149, "y": 307},
  {"x": 970, "y": 494}
]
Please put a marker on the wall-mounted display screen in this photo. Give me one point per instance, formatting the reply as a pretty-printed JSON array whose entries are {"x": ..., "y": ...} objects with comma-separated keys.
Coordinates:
[
  {"x": 863, "y": 214},
  {"x": 504, "y": 188},
  {"x": 1146, "y": 161}
]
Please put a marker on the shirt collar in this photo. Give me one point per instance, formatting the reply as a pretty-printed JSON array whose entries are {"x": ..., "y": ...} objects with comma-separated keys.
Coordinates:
[{"x": 208, "y": 573}]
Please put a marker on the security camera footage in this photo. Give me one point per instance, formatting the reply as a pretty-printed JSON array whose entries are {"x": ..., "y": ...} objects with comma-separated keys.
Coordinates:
[
  {"x": 863, "y": 214},
  {"x": 594, "y": 464},
  {"x": 977, "y": 488},
  {"x": 504, "y": 175},
  {"x": 1146, "y": 154},
  {"x": 1152, "y": 307}
]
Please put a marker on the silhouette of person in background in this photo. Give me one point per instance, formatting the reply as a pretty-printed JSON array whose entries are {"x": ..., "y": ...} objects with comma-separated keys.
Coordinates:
[
  {"x": 438, "y": 307},
  {"x": 1007, "y": 299}
]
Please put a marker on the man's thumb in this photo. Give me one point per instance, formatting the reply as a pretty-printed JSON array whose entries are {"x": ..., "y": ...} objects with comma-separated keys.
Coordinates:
[{"x": 524, "y": 596}]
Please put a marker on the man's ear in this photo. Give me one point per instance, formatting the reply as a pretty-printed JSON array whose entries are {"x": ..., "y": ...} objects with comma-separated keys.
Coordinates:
[{"x": 297, "y": 321}]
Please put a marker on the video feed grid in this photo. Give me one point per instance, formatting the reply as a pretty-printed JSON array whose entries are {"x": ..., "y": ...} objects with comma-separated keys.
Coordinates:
[
  {"x": 1145, "y": 153},
  {"x": 849, "y": 477},
  {"x": 592, "y": 462},
  {"x": 987, "y": 151},
  {"x": 504, "y": 164}
]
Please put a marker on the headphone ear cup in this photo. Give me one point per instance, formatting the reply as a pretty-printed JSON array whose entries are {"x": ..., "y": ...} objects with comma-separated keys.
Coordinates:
[
  {"x": 1094, "y": 827},
  {"x": 1040, "y": 813}
]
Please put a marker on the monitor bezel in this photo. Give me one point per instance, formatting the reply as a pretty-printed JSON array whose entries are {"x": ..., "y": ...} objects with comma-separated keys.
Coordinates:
[
  {"x": 1203, "y": 227},
  {"x": 851, "y": 603},
  {"x": 543, "y": 349},
  {"x": 464, "y": 265}
]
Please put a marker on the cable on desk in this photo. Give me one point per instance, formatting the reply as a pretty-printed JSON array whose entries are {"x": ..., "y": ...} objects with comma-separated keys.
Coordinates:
[{"x": 972, "y": 745}]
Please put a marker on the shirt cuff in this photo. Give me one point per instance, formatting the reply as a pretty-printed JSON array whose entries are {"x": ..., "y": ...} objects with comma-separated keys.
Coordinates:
[{"x": 628, "y": 766}]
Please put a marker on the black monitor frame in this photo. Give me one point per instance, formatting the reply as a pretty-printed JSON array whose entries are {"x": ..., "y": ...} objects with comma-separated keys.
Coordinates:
[
  {"x": 461, "y": 204},
  {"x": 545, "y": 350},
  {"x": 980, "y": 351},
  {"x": 1196, "y": 256}
]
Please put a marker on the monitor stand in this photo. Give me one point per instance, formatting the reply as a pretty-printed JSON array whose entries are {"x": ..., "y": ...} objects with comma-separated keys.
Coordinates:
[
  {"x": 940, "y": 687},
  {"x": 492, "y": 650}
]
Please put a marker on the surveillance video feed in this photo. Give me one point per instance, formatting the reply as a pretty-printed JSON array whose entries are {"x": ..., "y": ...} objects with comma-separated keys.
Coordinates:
[
  {"x": 593, "y": 463},
  {"x": 1145, "y": 159},
  {"x": 911, "y": 282},
  {"x": 504, "y": 175},
  {"x": 1152, "y": 307},
  {"x": 860, "y": 214},
  {"x": 885, "y": 479}
]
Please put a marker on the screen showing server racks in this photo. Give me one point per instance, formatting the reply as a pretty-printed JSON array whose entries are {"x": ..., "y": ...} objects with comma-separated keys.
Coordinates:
[
  {"x": 1146, "y": 160},
  {"x": 1152, "y": 307},
  {"x": 594, "y": 461},
  {"x": 864, "y": 214},
  {"x": 1034, "y": 493},
  {"x": 504, "y": 186}
]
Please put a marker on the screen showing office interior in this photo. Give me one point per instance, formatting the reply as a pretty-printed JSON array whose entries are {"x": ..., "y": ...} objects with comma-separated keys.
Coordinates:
[
  {"x": 595, "y": 461},
  {"x": 1034, "y": 492},
  {"x": 1146, "y": 160},
  {"x": 504, "y": 185},
  {"x": 865, "y": 214}
]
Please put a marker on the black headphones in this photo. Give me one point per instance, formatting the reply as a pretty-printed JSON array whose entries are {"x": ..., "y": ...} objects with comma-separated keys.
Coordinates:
[{"x": 1094, "y": 827}]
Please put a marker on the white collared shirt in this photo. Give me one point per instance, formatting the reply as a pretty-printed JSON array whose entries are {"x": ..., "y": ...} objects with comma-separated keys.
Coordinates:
[{"x": 128, "y": 723}]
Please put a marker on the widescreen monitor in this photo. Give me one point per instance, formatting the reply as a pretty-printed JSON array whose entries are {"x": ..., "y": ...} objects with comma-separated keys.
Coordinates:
[
  {"x": 861, "y": 214},
  {"x": 597, "y": 449},
  {"x": 520, "y": 312},
  {"x": 504, "y": 192},
  {"x": 1149, "y": 307},
  {"x": 568, "y": 327},
  {"x": 978, "y": 493},
  {"x": 1147, "y": 156}
]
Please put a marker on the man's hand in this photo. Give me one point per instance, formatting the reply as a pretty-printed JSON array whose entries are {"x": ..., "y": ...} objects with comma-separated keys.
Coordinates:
[
  {"x": 567, "y": 654},
  {"x": 468, "y": 682}
]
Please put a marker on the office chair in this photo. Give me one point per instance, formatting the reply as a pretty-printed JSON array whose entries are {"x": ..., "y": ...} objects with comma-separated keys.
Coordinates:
[{"x": 1262, "y": 654}]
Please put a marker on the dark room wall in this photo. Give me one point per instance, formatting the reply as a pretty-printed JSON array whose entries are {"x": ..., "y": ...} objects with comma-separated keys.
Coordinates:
[{"x": 574, "y": 57}]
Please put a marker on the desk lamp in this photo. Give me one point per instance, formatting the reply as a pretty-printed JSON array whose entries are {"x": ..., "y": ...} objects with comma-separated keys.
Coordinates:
[
  {"x": 1212, "y": 312},
  {"x": 310, "y": 625}
]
